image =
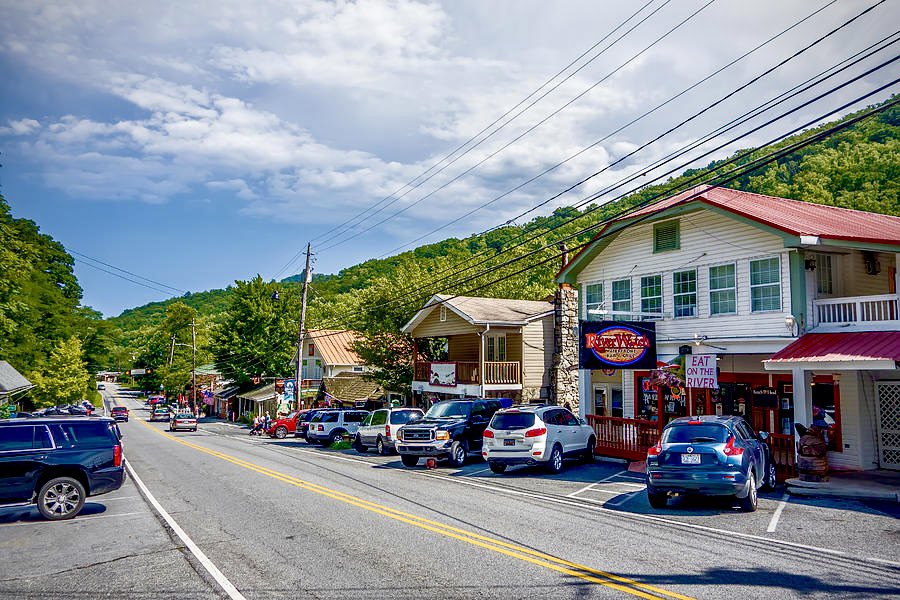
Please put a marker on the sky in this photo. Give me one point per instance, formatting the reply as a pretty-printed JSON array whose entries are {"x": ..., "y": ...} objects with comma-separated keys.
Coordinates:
[{"x": 195, "y": 144}]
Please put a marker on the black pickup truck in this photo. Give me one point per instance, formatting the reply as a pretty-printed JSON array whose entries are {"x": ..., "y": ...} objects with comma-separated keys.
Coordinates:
[
  {"x": 57, "y": 462},
  {"x": 450, "y": 430}
]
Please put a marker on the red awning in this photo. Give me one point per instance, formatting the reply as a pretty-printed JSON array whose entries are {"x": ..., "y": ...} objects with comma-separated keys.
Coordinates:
[{"x": 850, "y": 351}]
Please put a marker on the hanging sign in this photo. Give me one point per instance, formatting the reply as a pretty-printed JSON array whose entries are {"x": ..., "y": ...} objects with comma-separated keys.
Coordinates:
[
  {"x": 617, "y": 345},
  {"x": 442, "y": 373},
  {"x": 700, "y": 371}
]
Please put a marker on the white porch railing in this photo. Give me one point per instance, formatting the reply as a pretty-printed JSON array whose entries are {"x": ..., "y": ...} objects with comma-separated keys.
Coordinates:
[{"x": 868, "y": 310}]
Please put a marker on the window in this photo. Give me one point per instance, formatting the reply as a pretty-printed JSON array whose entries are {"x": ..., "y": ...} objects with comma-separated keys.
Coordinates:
[
  {"x": 621, "y": 298},
  {"x": 443, "y": 313},
  {"x": 593, "y": 300},
  {"x": 357, "y": 369},
  {"x": 553, "y": 417},
  {"x": 480, "y": 411},
  {"x": 496, "y": 348},
  {"x": 722, "y": 290},
  {"x": 765, "y": 284},
  {"x": 570, "y": 420},
  {"x": 401, "y": 417},
  {"x": 651, "y": 294},
  {"x": 684, "y": 285},
  {"x": 824, "y": 274},
  {"x": 600, "y": 401},
  {"x": 16, "y": 439},
  {"x": 379, "y": 417},
  {"x": 666, "y": 236},
  {"x": 510, "y": 421},
  {"x": 87, "y": 435},
  {"x": 312, "y": 349}
]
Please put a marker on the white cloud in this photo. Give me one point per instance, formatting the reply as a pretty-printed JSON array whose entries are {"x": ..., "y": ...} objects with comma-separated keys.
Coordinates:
[{"x": 20, "y": 127}]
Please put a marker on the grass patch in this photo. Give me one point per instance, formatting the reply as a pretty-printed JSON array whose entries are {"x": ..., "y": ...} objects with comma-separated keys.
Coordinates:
[{"x": 340, "y": 445}]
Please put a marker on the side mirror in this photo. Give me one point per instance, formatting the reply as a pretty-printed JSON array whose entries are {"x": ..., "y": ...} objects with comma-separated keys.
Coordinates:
[
  {"x": 582, "y": 421},
  {"x": 763, "y": 436}
]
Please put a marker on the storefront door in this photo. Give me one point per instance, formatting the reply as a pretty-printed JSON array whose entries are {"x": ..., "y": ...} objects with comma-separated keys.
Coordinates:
[{"x": 889, "y": 424}]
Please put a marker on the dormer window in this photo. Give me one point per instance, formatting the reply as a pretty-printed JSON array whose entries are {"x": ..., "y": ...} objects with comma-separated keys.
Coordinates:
[
  {"x": 312, "y": 349},
  {"x": 666, "y": 236},
  {"x": 443, "y": 313}
]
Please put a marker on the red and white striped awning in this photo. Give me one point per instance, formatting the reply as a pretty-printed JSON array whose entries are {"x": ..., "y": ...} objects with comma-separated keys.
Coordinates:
[{"x": 860, "y": 350}]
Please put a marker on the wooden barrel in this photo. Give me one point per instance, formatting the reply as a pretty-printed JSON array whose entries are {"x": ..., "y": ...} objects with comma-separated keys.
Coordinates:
[{"x": 812, "y": 468}]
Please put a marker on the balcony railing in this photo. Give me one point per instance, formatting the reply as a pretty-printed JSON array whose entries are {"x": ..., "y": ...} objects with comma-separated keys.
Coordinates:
[
  {"x": 496, "y": 372},
  {"x": 623, "y": 438},
  {"x": 867, "y": 310}
]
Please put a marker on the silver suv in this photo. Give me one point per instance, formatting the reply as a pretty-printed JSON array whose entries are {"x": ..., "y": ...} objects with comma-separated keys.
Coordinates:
[
  {"x": 330, "y": 426},
  {"x": 380, "y": 428}
]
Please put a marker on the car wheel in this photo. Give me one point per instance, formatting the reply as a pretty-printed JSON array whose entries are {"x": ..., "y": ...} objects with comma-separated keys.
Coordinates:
[
  {"x": 497, "y": 467},
  {"x": 750, "y": 502},
  {"x": 335, "y": 437},
  {"x": 457, "y": 454},
  {"x": 555, "y": 464},
  {"x": 409, "y": 460},
  {"x": 771, "y": 479},
  {"x": 358, "y": 445},
  {"x": 379, "y": 445},
  {"x": 281, "y": 432},
  {"x": 589, "y": 451},
  {"x": 194, "y": 429},
  {"x": 657, "y": 499},
  {"x": 61, "y": 498}
]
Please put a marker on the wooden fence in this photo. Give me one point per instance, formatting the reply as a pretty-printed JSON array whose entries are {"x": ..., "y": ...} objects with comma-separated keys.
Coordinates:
[{"x": 623, "y": 438}]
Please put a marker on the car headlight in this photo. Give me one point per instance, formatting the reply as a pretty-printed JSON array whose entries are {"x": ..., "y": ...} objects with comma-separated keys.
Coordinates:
[
  {"x": 400, "y": 435},
  {"x": 442, "y": 435}
]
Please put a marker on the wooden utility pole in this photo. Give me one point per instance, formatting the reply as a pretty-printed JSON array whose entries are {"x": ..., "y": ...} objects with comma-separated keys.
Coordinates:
[
  {"x": 172, "y": 353},
  {"x": 194, "y": 367},
  {"x": 302, "y": 333}
]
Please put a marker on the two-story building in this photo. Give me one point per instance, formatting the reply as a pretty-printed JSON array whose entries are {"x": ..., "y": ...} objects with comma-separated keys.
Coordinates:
[
  {"x": 495, "y": 348},
  {"x": 796, "y": 303},
  {"x": 327, "y": 353}
]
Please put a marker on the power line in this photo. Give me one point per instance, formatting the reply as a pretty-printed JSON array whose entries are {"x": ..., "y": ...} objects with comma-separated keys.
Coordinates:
[
  {"x": 97, "y": 260},
  {"x": 519, "y": 137}
]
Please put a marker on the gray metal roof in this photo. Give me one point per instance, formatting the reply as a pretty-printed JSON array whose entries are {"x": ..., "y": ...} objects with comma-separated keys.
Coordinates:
[{"x": 11, "y": 380}]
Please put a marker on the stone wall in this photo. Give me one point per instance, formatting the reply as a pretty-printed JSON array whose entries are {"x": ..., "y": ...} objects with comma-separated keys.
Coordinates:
[{"x": 564, "y": 368}]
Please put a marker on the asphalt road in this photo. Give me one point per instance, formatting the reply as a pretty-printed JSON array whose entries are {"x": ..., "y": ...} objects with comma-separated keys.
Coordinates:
[{"x": 286, "y": 519}]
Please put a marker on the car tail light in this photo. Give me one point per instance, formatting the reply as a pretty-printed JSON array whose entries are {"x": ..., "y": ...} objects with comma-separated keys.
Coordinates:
[
  {"x": 488, "y": 433},
  {"x": 320, "y": 427},
  {"x": 536, "y": 432},
  {"x": 387, "y": 431},
  {"x": 117, "y": 455},
  {"x": 655, "y": 450},
  {"x": 730, "y": 449}
]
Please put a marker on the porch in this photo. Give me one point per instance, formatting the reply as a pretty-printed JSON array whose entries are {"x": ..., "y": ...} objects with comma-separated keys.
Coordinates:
[
  {"x": 867, "y": 313},
  {"x": 467, "y": 372}
]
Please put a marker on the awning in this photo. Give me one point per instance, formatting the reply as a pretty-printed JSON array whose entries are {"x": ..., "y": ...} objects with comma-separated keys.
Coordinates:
[
  {"x": 861, "y": 350},
  {"x": 227, "y": 393}
]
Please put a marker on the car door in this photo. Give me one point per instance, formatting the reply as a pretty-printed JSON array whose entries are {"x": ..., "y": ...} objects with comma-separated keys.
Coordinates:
[
  {"x": 478, "y": 422},
  {"x": 751, "y": 441},
  {"x": 576, "y": 438},
  {"x": 365, "y": 428},
  {"x": 553, "y": 419},
  {"x": 23, "y": 450},
  {"x": 379, "y": 420}
]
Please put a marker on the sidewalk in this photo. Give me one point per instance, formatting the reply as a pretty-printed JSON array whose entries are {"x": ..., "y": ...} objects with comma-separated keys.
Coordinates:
[{"x": 860, "y": 485}]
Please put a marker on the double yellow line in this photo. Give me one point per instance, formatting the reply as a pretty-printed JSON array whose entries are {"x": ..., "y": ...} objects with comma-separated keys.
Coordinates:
[{"x": 623, "y": 584}]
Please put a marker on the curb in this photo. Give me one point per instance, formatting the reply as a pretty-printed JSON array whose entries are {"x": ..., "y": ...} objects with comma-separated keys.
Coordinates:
[{"x": 848, "y": 493}]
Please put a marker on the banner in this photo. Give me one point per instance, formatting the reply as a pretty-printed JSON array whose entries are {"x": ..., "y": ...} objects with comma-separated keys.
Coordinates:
[
  {"x": 617, "y": 345},
  {"x": 700, "y": 371},
  {"x": 290, "y": 387},
  {"x": 442, "y": 373}
]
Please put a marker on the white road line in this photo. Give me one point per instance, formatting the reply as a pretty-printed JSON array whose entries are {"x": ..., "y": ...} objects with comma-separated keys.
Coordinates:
[
  {"x": 75, "y": 520},
  {"x": 476, "y": 472},
  {"x": 774, "y": 522},
  {"x": 590, "y": 486},
  {"x": 214, "y": 571},
  {"x": 634, "y": 485},
  {"x": 654, "y": 518}
]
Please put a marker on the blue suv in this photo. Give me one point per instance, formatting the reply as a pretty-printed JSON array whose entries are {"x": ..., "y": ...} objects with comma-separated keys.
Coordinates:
[
  {"x": 57, "y": 462},
  {"x": 709, "y": 455}
]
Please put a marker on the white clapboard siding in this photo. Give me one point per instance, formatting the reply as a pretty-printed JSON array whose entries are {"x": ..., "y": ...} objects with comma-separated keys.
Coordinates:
[
  {"x": 849, "y": 457},
  {"x": 707, "y": 239},
  {"x": 537, "y": 352}
]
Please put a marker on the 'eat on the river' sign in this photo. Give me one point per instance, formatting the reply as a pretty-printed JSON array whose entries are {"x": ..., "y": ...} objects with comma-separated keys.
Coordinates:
[{"x": 700, "y": 371}]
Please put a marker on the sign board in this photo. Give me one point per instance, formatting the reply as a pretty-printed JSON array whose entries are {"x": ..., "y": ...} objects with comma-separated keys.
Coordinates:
[
  {"x": 442, "y": 373},
  {"x": 137, "y": 372},
  {"x": 617, "y": 345},
  {"x": 700, "y": 371}
]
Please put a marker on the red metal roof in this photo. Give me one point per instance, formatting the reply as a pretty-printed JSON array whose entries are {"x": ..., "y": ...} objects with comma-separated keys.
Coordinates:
[
  {"x": 791, "y": 216},
  {"x": 841, "y": 347}
]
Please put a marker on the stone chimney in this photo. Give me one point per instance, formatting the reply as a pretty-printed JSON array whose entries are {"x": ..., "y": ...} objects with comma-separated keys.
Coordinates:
[{"x": 564, "y": 368}]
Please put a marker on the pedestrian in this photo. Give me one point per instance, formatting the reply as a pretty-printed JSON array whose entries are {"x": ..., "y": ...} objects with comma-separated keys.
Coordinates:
[
  {"x": 268, "y": 421},
  {"x": 255, "y": 429}
]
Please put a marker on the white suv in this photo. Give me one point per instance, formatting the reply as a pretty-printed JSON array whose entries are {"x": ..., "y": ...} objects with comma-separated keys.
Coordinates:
[
  {"x": 380, "y": 428},
  {"x": 330, "y": 426},
  {"x": 536, "y": 434}
]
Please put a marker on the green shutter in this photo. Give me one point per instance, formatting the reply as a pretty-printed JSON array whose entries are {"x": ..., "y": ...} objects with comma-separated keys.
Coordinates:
[{"x": 666, "y": 236}]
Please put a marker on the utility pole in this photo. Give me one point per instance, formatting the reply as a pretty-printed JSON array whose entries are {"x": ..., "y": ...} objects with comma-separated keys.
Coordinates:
[
  {"x": 194, "y": 368},
  {"x": 302, "y": 333},
  {"x": 172, "y": 353}
]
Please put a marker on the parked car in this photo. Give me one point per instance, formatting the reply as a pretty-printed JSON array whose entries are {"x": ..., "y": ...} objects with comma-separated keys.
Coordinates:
[
  {"x": 119, "y": 413},
  {"x": 160, "y": 414},
  {"x": 57, "y": 463},
  {"x": 329, "y": 426},
  {"x": 536, "y": 435},
  {"x": 450, "y": 430},
  {"x": 709, "y": 455},
  {"x": 280, "y": 428},
  {"x": 88, "y": 406},
  {"x": 379, "y": 428},
  {"x": 303, "y": 420},
  {"x": 183, "y": 420},
  {"x": 100, "y": 386}
]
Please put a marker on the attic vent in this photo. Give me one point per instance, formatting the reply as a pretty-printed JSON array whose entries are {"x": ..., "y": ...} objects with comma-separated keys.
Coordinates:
[
  {"x": 666, "y": 236},
  {"x": 443, "y": 313}
]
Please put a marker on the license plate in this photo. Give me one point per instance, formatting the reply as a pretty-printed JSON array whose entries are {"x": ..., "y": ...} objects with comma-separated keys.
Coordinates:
[
  {"x": 509, "y": 442},
  {"x": 690, "y": 459}
]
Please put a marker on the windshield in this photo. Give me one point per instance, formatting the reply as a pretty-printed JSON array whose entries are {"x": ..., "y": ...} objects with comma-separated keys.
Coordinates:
[
  {"x": 399, "y": 417},
  {"x": 291, "y": 416},
  {"x": 184, "y": 416},
  {"x": 517, "y": 420},
  {"x": 693, "y": 434},
  {"x": 448, "y": 410}
]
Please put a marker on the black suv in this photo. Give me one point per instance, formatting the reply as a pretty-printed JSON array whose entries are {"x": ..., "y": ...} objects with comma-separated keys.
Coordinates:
[
  {"x": 450, "y": 429},
  {"x": 57, "y": 462}
]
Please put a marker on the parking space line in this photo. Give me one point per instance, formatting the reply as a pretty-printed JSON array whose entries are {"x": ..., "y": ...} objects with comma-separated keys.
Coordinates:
[
  {"x": 774, "y": 522},
  {"x": 584, "y": 489},
  {"x": 476, "y": 472},
  {"x": 76, "y": 520}
]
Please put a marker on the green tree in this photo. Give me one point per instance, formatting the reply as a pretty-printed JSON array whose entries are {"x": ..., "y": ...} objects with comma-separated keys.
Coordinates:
[{"x": 65, "y": 380}]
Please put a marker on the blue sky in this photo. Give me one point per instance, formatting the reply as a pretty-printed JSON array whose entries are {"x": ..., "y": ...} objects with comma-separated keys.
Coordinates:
[{"x": 197, "y": 147}]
